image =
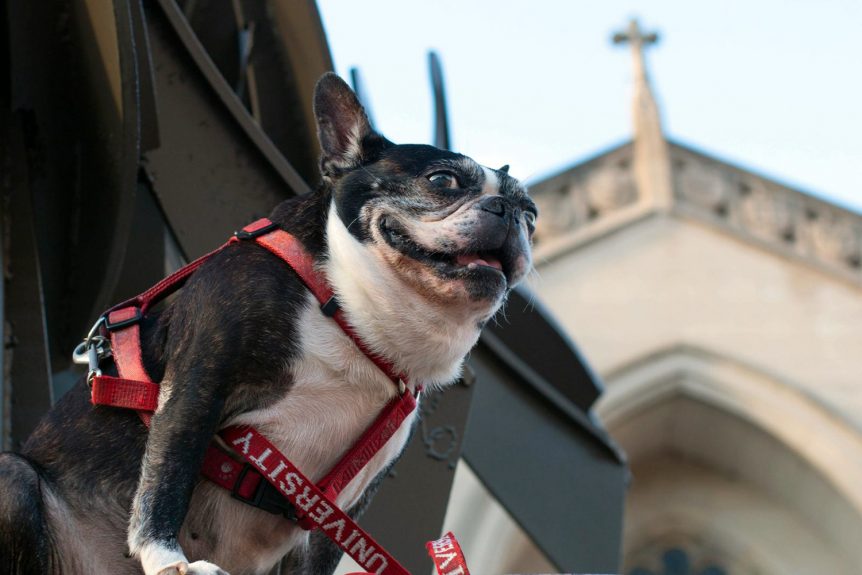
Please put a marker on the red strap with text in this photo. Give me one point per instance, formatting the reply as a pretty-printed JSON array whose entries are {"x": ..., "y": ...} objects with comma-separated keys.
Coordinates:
[
  {"x": 316, "y": 508},
  {"x": 447, "y": 555}
]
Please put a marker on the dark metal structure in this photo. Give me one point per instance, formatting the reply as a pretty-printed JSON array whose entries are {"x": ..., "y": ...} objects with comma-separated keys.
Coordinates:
[{"x": 137, "y": 135}]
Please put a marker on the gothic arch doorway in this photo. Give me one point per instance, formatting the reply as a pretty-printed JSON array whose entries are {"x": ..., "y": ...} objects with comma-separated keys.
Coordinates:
[{"x": 735, "y": 470}]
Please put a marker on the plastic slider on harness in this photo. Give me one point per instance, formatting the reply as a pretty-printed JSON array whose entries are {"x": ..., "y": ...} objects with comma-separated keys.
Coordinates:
[
  {"x": 245, "y": 234},
  {"x": 113, "y": 325},
  {"x": 330, "y": 307},
  {"x": 265, "y": 497}
]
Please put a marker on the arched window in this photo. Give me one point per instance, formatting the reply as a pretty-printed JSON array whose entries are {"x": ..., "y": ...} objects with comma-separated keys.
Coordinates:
[{"x": 677, "y": 562}]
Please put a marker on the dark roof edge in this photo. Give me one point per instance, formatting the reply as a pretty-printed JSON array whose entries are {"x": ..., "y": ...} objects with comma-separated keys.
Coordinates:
[{"x": 529, "y": 376}]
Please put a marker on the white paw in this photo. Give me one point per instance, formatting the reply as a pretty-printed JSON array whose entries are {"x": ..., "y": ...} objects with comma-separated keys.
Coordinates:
[{"x": 196, "y": 568}]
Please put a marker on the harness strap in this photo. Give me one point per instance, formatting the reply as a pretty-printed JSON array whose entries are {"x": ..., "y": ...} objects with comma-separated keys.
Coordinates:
[
  {"x": 367, "y": 446},
  {"x": 309, "y": 499},
  {"x": 247, "y": 485},
  {"x": 126, "y": 393},
  {"x": 126, "y": 336},
  {"x": 447, "y": 555},
  {"x": 289, "y": 249}
]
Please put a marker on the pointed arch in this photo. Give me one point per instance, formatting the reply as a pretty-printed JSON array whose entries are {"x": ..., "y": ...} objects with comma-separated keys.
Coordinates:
[{"x": 720, "y": 419}]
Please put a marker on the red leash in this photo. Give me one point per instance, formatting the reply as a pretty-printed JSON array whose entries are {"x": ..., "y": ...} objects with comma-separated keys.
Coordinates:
[{"x": 267, "y": 478}]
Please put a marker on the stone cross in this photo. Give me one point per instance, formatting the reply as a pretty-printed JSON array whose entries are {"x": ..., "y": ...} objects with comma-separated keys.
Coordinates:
[
  {"x": 634, "y": 35},
  {"x": 638, "y": 40},
  {"x": 651, "y": 154}
]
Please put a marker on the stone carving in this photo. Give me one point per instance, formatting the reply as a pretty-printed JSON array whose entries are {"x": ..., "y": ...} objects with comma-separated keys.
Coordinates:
[
  {"x": 739, "y": 201},
  {"x": 764, "y": 214},
  {"x": 832, "y": 238},
  {"x": 706, "y": 187},
  {"x": 609, "y": 187},
  {"x": 558, "y": 210},
  {"x": 755, "y": 207}
]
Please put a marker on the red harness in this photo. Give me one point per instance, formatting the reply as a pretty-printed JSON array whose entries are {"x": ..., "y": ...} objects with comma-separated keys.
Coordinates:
[{"x": 268, "y": 479}]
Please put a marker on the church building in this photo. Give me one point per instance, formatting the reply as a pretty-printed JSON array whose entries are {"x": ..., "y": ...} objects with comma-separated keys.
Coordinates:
[{"x": 723, "y": 310}]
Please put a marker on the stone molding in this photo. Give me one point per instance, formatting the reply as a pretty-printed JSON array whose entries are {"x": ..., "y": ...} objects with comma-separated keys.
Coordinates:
[{"x": 745, "y": 204}]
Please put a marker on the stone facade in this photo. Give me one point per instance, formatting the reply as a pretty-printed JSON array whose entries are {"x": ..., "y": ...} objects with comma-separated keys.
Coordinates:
[
  {"x": 726, "y": 327},
  {"x": 753, "y": 207}
]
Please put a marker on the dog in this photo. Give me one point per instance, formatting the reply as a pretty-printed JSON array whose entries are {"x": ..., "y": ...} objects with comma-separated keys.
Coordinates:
[{"x": 420, "y": 246}]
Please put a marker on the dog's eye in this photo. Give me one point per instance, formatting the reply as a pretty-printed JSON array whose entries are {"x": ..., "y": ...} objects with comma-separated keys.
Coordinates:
[
  {"x": 444, "y": 179},
  {"x": 530, "y": 218}
]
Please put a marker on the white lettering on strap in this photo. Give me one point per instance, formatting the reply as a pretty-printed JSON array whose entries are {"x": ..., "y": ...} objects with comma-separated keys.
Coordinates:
[
  {"x": 304, "y": 502},
  {"x": 446, "y": 551},
  {"x": 339, "y": 532},
  {"x": 278, "y": 469},
  {"x": 261, "y": 458},
  {"x": 384, "y": 564},
  {"x": 442, "y": 546},
  {"x": 293, "y": 481},
  {"x": 318, "y": 509},
  {"x": 349, "y": 539},
  {"x": 448, "y": 558},
  {"x": 321, "y": 512},
  {"x": 246, "y": 441},
  {"x": 362, "y": 550}
]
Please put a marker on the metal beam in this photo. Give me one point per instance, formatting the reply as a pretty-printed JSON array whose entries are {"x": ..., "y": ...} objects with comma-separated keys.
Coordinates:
[
  {"x": 214, "y": 164},
  {"x": 27, "y": 374},
  {"x": 229, "y": 99},
  {"x": 561, "y": 485},
  {"x": 441, "y": 117},
  {"x": 555, "y": 363}
]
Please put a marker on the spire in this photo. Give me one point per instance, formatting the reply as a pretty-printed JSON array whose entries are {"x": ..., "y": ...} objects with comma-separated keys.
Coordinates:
[{"x": 651, "y": 157}]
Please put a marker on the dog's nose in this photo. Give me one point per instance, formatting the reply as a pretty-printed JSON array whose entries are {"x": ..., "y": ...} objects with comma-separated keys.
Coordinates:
[{"x": 493, "y": 204}]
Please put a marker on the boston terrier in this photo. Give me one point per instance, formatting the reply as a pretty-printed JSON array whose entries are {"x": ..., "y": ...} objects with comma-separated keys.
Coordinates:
[{"x": 420, "y": 246}]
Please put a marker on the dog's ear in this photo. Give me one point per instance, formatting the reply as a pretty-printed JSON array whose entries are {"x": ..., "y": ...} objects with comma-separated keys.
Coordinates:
[{"x": 347, "y": 139}]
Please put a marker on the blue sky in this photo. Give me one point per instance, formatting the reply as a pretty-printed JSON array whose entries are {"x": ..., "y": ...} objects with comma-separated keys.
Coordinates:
[{"x": 775, "y": 86}]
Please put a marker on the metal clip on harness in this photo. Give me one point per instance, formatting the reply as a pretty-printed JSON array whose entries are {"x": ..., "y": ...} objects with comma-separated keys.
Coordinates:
[{"x": 92, "y": 350}]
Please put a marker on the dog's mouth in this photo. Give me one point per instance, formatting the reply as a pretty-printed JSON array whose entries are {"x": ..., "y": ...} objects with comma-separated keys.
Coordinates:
[
  {"x": 487, "y": 262},
  {"x": 487, "y": 259}
]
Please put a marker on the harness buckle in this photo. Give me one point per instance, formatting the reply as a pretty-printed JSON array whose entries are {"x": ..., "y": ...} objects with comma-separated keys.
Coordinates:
[
  {"x": 330, "y": 307},
  {"x": 265, "y": 496},
  {"x": 92, "y": 350}
]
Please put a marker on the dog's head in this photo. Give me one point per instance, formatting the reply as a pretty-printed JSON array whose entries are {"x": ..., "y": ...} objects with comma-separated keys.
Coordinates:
[{"x": 454, "y": 231}]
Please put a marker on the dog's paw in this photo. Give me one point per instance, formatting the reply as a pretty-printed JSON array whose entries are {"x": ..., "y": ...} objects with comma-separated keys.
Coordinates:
[{"x": 196, "y": 568}]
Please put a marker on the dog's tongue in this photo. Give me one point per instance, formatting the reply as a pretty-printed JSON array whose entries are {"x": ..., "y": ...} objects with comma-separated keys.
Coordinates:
[{"x": 489, "y": 261}]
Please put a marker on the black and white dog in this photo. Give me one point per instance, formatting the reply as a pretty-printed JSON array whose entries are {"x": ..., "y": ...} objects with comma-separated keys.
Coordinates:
[{"x": 420, "y": 246}]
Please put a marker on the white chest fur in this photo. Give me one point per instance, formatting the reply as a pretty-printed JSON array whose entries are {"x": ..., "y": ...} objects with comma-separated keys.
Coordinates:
[{"x": 335, "y": 394}]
